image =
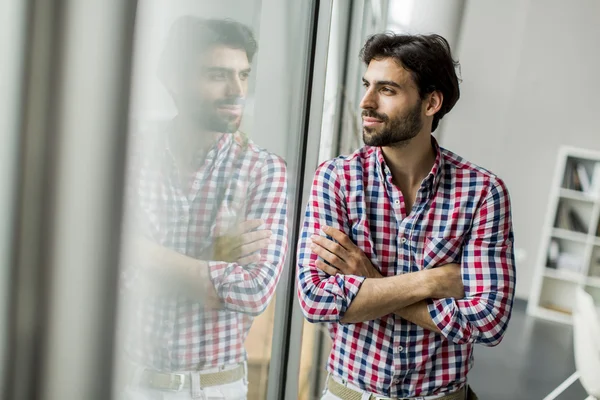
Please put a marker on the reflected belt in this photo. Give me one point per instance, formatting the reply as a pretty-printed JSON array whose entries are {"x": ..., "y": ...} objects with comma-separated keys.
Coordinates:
[{"x": 176, "y": 382}]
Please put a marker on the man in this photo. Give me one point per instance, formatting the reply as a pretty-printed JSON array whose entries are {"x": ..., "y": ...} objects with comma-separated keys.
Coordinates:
[
  {"x": 199, "y": 271},
  {"x": 406, "y": 249}
]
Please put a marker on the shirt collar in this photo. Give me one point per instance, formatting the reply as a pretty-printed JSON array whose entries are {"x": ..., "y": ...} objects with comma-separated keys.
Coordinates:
[{"x": 435, "y": 175}]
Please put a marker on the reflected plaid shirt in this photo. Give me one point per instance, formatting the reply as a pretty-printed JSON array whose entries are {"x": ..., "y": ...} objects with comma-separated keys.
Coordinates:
[
  {"x": 461, "y": 215},
  {"x": 235, "y": 181}
]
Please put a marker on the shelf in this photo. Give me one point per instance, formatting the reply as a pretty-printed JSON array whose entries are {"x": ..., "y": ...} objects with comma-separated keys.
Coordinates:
[
  {"x": 581, "y": 153},
  {"x": 563, "y": 275},
  {"x": 570, "y": 235},
  {"x": 577, "y": 195},
  {"x": 552, "y": 315},
  {"x": 593, "y": 281},
  {"x": 554, "y": 294}
]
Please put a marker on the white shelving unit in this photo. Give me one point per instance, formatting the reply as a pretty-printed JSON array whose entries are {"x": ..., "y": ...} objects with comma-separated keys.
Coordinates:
[{"x": 553, "y": 293}]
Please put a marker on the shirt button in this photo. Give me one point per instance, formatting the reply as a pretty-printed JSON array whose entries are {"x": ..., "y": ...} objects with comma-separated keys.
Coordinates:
[
  {"x": 397, "y": 202},
  {"x": 396, "y": 381},
  {"x": 400, "y": 348},
  {"x": 403, "y": 240}
]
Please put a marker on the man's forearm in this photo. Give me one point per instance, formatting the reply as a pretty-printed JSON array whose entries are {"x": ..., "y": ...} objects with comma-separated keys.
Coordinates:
[
  {"x": 418, "y": 314},
  {"x": 175, "y": 271},
  {"x": 382, "y": 296}
]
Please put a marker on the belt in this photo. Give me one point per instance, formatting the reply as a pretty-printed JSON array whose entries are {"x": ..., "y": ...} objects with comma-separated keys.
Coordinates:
[
  {"x": 345, "y": 393},
  {"x": 177, "y": 382}
]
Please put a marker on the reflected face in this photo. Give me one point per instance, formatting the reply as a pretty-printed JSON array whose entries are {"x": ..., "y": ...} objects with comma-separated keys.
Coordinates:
[
  {"x": 216, "y": 92},
  {"x": 392, "y": 108}
]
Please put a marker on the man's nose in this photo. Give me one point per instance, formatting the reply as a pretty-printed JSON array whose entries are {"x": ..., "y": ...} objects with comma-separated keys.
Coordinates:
[
  {"x": 235, "y": 87},
  {"x": 368, "y": 101}
]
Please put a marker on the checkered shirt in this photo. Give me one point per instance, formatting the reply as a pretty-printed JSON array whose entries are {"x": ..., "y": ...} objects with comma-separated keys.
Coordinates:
[
  {"x": 234, "y": 182},
  {"x": 461, "y": 215}
]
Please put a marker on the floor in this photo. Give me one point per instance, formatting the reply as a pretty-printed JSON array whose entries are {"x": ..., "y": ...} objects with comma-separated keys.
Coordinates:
[{"x": 533, "y": 359}]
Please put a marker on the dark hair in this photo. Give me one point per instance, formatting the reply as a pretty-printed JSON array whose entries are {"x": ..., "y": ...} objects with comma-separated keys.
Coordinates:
[
  {"x": 190, "y": 36},
  {"x": 427, "y": 57}
]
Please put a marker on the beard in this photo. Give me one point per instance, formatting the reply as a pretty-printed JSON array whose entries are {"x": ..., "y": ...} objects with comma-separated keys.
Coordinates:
[
  {"x": 208, "y": 117},
  {"x": 396, "y": 131},
  {"x": 218, "y": 123}
]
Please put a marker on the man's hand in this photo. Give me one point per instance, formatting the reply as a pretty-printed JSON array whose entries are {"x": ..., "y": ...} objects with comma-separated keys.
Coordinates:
[
  {"x": 445, "y": 281},
  {"x": 344, "y": 256},
  {"x": 241, "y": 244}
]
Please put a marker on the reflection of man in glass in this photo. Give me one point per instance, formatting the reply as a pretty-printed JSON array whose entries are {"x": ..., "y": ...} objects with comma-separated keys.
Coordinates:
[{"x": 209, "y": 211}]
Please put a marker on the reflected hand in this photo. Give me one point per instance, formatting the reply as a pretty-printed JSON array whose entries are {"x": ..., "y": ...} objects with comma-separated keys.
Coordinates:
[
  {"x": 167, "y": 271},
  {"x": 344, "y": 256},
  {"x": 156, "y": 257},
  {"x": 242, "y": 243}
]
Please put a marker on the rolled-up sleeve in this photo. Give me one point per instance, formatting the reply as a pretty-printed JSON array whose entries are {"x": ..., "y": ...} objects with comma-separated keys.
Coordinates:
[
  {"x": 323, "y": 297},
  {"x": 249, "y": 288},
  {"x": 488, "y": 271}
]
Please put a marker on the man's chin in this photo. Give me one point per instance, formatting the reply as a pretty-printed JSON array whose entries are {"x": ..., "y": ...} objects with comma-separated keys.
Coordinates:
[
  {"x": 378, "y": 139},
  {"x": 371, "y": 137},
  {"x": 232, "y": 124},
  {"x": 225, "y": 126}
]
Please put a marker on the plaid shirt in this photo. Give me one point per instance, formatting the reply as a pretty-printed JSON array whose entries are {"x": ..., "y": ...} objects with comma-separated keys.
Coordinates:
[
  {"x": 461, "y": 215},
  {"x": 234, "y": 182}
]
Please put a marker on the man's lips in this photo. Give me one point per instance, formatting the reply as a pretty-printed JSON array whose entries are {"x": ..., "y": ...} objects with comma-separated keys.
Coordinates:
[
  {"x": 230, "y": 109},
  {"x": 369, "y": 121}
]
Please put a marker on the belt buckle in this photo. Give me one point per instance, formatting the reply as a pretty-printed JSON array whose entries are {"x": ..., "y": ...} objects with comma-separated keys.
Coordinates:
[{"x": 177, "y": 382}]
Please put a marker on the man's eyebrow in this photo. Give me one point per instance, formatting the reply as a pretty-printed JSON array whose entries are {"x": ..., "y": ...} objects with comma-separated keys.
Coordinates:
[
  {"x": 223, "y": 69},
  {"x": 384, "y": 83}
]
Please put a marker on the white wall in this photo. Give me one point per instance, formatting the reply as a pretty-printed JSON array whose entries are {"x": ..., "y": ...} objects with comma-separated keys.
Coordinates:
[
  {"x": 531, "y": 82},
  {"x": 427, "y": 16}
]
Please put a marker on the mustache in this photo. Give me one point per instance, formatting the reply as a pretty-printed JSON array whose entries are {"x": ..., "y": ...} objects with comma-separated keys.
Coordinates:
[
  {"x": 232, "y": 101},
  {"x": 373, "y": 114}
]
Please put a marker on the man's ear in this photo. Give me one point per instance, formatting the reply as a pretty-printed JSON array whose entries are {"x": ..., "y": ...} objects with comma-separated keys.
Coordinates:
[{"x": 435, "y": 100}]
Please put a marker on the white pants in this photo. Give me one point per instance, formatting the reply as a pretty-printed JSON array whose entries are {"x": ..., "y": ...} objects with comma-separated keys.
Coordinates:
[
  {"x": 237, "y": 390},
  {"x": 232, "y": 391}
]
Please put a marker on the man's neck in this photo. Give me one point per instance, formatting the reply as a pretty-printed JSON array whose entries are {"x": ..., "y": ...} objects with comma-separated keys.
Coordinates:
[
  {"x": 187, "y": 140},
  {"x": 410, "y": 162}
]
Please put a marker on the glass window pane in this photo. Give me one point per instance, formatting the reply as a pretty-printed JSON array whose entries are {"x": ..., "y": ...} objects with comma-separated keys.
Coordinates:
[
  {"x": 351, "y": 24},
  {"x": 216, "y": 122}
]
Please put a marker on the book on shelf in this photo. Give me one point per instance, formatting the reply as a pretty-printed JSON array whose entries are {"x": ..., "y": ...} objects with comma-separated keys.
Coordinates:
[
  {"x": 553, "y": 253},
  {"x": 575, "y": 182},
  {"x": 595, "y": 181},
  {"x": 584, "y": 179},
  {"x": 577, "y": 223},
  {"x": 568, "y": 218},
  {"x": 594, "y": 270},
  {"x": 577, "y": 178},
  {"x": 563, "y": 260},
  {"x": 570, "y": 262}
]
